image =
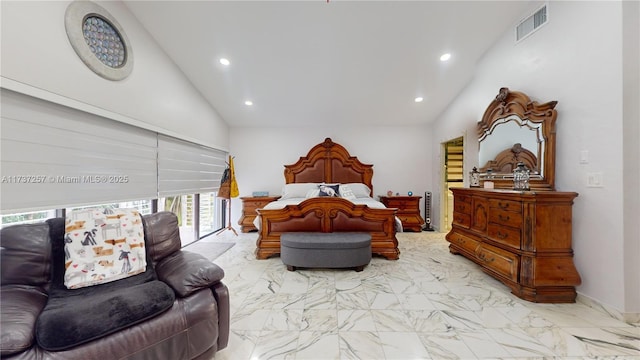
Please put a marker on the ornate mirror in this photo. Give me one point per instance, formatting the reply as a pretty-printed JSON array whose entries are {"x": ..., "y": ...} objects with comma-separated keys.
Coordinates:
[{"x": 515, "y": 129}]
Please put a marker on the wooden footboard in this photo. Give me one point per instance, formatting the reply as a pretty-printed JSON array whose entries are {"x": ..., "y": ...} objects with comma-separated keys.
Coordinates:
[{"x": 328, "y": 214}]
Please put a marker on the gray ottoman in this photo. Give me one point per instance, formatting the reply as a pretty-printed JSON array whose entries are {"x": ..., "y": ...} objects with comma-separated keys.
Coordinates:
[{"x": 325, "y": 250}]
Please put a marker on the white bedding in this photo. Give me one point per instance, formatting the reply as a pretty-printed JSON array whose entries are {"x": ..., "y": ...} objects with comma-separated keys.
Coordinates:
[{"x": 370, "y": 202}]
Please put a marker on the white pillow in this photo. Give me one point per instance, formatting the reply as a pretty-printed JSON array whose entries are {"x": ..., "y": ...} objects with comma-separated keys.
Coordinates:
[
  {"x": 298, "y": 190},
  {"x": 313, "y": 193},
  {"x": 360, "y": 190},
  {"x": 346, "y": 192}
]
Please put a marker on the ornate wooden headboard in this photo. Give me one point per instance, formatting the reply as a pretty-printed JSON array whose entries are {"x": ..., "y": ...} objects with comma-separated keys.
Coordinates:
[
  {"x": 507, "y": 160},
  {"x": 331, "y": 163}
]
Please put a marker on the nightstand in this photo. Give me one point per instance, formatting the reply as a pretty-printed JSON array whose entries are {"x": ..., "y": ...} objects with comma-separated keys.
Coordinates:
[
  {"x": 249, "y": 206},
  {"x": 408, "y": 210}
]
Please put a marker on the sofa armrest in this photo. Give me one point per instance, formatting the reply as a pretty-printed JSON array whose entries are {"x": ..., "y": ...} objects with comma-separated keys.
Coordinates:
[
  {"x": 186, "y": 272},
  {"x": 221, "y": 293},
  {"x": 20, "y": 307}
]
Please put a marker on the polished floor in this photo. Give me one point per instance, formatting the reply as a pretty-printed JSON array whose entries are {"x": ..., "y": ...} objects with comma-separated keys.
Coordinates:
[{"x": 430, "y": 304}]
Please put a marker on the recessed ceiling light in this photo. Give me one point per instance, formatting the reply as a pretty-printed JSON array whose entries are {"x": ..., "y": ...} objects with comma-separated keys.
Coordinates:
[
  {"x": 419, "y": 99},
  {"x": 248, "y": 102},
  {"x": 445, "y": 57},
  {"x": 225, "y": 61}
]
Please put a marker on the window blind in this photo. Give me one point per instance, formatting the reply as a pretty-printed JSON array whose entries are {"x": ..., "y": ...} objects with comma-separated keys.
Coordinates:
[
  {"x": 53, "y": 156},
  {"x": 188, "y": 168}
]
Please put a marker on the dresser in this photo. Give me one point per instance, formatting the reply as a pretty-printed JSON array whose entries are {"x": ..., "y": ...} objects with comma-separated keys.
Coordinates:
[
  {"x": 249, "y": 206},
  {"x": 408, "y": 210},
  {"x": 522, "y": 238}
]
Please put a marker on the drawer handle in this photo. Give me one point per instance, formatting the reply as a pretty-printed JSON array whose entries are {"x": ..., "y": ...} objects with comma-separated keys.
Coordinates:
[
  {"x": 501, "y": 235},
  {"x": 503, "y": 206},
  {"x": 461, "y": 240},
  {"x": 483, "y": 257},
  {"x": 502, "y": 218}
]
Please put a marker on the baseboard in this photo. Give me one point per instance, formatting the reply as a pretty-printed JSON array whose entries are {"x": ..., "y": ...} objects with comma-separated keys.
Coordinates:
[{"x": 630, "y": 318}]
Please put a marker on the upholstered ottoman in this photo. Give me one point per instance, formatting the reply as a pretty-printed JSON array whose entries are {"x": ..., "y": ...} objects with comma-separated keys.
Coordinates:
[{"x": 325, "y": 250}]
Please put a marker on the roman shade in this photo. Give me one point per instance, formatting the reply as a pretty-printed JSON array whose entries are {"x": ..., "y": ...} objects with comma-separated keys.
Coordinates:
[
  {"x": 54, "y": 156},
  {"x": 188, "y": 168}
]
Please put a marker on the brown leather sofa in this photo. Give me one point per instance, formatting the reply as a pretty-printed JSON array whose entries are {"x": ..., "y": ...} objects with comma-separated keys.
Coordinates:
[{"x": 194, "y": 325}]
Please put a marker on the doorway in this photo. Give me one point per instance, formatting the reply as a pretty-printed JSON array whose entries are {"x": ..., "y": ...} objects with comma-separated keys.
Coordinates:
[{"x": 453, "y": 156}]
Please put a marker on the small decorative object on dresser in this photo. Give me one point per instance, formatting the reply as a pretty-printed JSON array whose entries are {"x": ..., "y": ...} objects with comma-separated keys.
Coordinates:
[
  {"x": 521, "y": 177},
  {"x": 474, "y": 178},
  {"x": 249, "y": 206},
  {"x": 408, "y": 210}
]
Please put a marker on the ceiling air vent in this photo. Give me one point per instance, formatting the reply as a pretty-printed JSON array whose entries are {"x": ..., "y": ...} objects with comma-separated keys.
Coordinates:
[{"x": 527, "y": 26}]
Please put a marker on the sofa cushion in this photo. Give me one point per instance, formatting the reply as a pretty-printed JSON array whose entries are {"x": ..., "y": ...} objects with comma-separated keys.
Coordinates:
[
  {"x": 20, "y": 308},
  {"x": 162, "y": 235},
  {"x": 78, "y": 316},
  {"x": 102, "y": 245},
  {"x": 25, "y": 258}
]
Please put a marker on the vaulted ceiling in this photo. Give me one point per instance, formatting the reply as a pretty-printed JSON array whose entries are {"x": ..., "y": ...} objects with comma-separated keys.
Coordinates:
[{"x": 319, "y": 63}]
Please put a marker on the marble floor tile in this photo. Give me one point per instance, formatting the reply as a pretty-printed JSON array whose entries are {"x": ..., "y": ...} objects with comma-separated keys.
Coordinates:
[
  {"x": 403, "y": 345},
  {"x": 276, "y": 345},
  {"x": 429, "y": 304},
  {"x": 315, "y": 345},
  {"x": 356, "y": 320},
  {"x": 445, "y": 345},
  {"x": 361, "y": 345}
]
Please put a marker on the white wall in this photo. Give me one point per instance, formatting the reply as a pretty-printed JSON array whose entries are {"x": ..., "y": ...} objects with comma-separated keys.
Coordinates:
[
  {"x": 399, "y": 156},
  {"x": 38, "y": 59},
  {"x": 631, "y": 134},
  {"x": 576, "y": 58}
]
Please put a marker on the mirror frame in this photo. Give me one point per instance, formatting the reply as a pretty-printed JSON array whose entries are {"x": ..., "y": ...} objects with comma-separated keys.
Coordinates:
[{"x": 508, "y": 103}]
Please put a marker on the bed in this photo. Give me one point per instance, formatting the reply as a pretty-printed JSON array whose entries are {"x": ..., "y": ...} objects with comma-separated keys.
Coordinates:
[{"x": 327, "y": 163}]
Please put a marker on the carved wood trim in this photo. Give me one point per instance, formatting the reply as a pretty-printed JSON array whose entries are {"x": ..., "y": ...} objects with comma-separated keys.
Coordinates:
[
  {"x": 507, "y": 160},
  {"x": 508, "y": 103},
  {"x": 331, "y": 163}
]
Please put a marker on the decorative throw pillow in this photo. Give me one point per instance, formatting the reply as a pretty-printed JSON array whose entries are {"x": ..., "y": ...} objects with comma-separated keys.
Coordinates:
[
  {"x": 328, "y": 190},
  {"x": 103, "y": 245},
  {"x": 346, "y": 192}
]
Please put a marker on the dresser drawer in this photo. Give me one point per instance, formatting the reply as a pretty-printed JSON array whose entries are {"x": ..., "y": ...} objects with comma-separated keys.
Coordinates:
[
  {"x": 504, "y": 235},
  {"x": 402, "y": 204},
  {"x": 409, "y": 220},
  {"x": 462, "y": 207},
  {"x": 462, "y": 199},
  {"x": 499, "y": 261},
  {"x": 463, "y": 241},
  {"x": 463, "y": 220},
  {"x": 250, "y": 204},
  {"x": 507, "y": 218},
  {"x": 506, "y": 205}
]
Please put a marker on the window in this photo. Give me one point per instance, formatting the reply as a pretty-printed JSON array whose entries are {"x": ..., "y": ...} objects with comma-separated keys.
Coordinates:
[
  {"x": 211, "y": 213},
  {"x": 196, "y": 219},
  {"x": 143, "y": 206},
  {"x": 27, "y": 217},
  {"x": 183, "y": 207}
]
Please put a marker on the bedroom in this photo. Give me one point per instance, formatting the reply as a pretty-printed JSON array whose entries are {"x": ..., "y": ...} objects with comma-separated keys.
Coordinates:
[{"x": 583, "y": 58}]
